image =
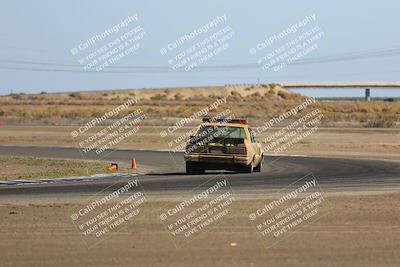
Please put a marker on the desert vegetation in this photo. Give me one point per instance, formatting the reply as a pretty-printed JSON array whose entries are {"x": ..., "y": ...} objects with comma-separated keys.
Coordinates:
[
  {"x": 22, "y": 167},
  {"x": 256, "y": 102}
]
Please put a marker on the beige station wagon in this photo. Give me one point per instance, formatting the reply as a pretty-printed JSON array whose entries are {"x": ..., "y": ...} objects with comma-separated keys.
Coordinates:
[{"x": 223, "y": 145}]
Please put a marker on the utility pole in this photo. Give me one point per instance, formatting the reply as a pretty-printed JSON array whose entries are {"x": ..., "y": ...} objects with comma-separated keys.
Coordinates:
[{"x": 367, "y": 94}]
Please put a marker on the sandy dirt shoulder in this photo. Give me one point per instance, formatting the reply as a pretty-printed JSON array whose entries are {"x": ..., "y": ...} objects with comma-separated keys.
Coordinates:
[{"x": 362, "y": 230}]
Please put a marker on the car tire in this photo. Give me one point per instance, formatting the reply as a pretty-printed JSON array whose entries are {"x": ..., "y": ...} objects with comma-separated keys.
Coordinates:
[
  {"x": 259, "y": 167},
  {"x": 248, "y": 168},
  {"x": 193, "y": 168}
]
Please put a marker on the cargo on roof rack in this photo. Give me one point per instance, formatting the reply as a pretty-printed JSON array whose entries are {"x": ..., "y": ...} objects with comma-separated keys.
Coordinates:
[{"x": 239, "y": 121}]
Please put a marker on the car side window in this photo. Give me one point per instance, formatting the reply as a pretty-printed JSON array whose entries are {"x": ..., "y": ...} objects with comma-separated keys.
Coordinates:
[{"x": 252, "y": 136}]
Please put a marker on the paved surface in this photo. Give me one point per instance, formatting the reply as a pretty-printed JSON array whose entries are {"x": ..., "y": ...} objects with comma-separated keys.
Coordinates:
[
  {"x": 168, "y": 173},
  {"x": 359, "y": 231}
]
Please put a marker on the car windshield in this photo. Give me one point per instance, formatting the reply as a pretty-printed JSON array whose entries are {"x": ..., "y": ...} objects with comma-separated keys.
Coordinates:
[{"x": 220, "y": 134}]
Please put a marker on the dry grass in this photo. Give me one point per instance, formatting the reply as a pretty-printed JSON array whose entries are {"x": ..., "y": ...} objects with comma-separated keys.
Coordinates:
[
  {"x": 18, "y": 167},
  {"x": 257, "y": 103}
]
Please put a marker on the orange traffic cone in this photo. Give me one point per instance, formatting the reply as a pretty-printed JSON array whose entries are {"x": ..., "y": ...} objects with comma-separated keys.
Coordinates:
[
  {"x": 133, "y": 164},
  {"x": 113, "y": 167}
]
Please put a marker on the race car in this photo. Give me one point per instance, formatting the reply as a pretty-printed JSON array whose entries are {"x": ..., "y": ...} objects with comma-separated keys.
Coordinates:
[{"x": 223, "y": 144}]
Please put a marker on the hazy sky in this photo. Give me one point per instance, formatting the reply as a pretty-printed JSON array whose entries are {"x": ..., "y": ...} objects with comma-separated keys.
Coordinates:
[{"x": 360, "y": 42}]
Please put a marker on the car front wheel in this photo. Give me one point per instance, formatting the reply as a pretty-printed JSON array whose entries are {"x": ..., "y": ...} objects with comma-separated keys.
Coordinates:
[
  {"x": 259, "y": 167},
  {"x": 247, "y": 168}
]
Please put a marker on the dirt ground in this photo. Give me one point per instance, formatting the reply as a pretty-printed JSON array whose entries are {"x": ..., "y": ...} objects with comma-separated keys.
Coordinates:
[{"x": 360, "y": 230}]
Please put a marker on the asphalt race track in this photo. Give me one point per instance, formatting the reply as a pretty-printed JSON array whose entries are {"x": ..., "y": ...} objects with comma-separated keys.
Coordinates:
[{"x": 168, "y": 175}]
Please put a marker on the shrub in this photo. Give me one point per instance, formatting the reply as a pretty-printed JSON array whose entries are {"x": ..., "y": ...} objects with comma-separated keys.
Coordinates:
[
  {"x": 382, "y": 122},
  {"x": 284, "y": 95},
  {"x": 76, "y": 95},
  {"x": 178, "y": 96},
  {"x": 256, "y": 95},
  {"x": 16, "y": 96},
  {"x": 158, "y": 97},
  {"x": 235, "y": 93}
]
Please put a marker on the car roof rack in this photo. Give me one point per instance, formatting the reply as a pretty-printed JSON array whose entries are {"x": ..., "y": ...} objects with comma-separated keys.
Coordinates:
[{"x": 239, "y": 121}]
